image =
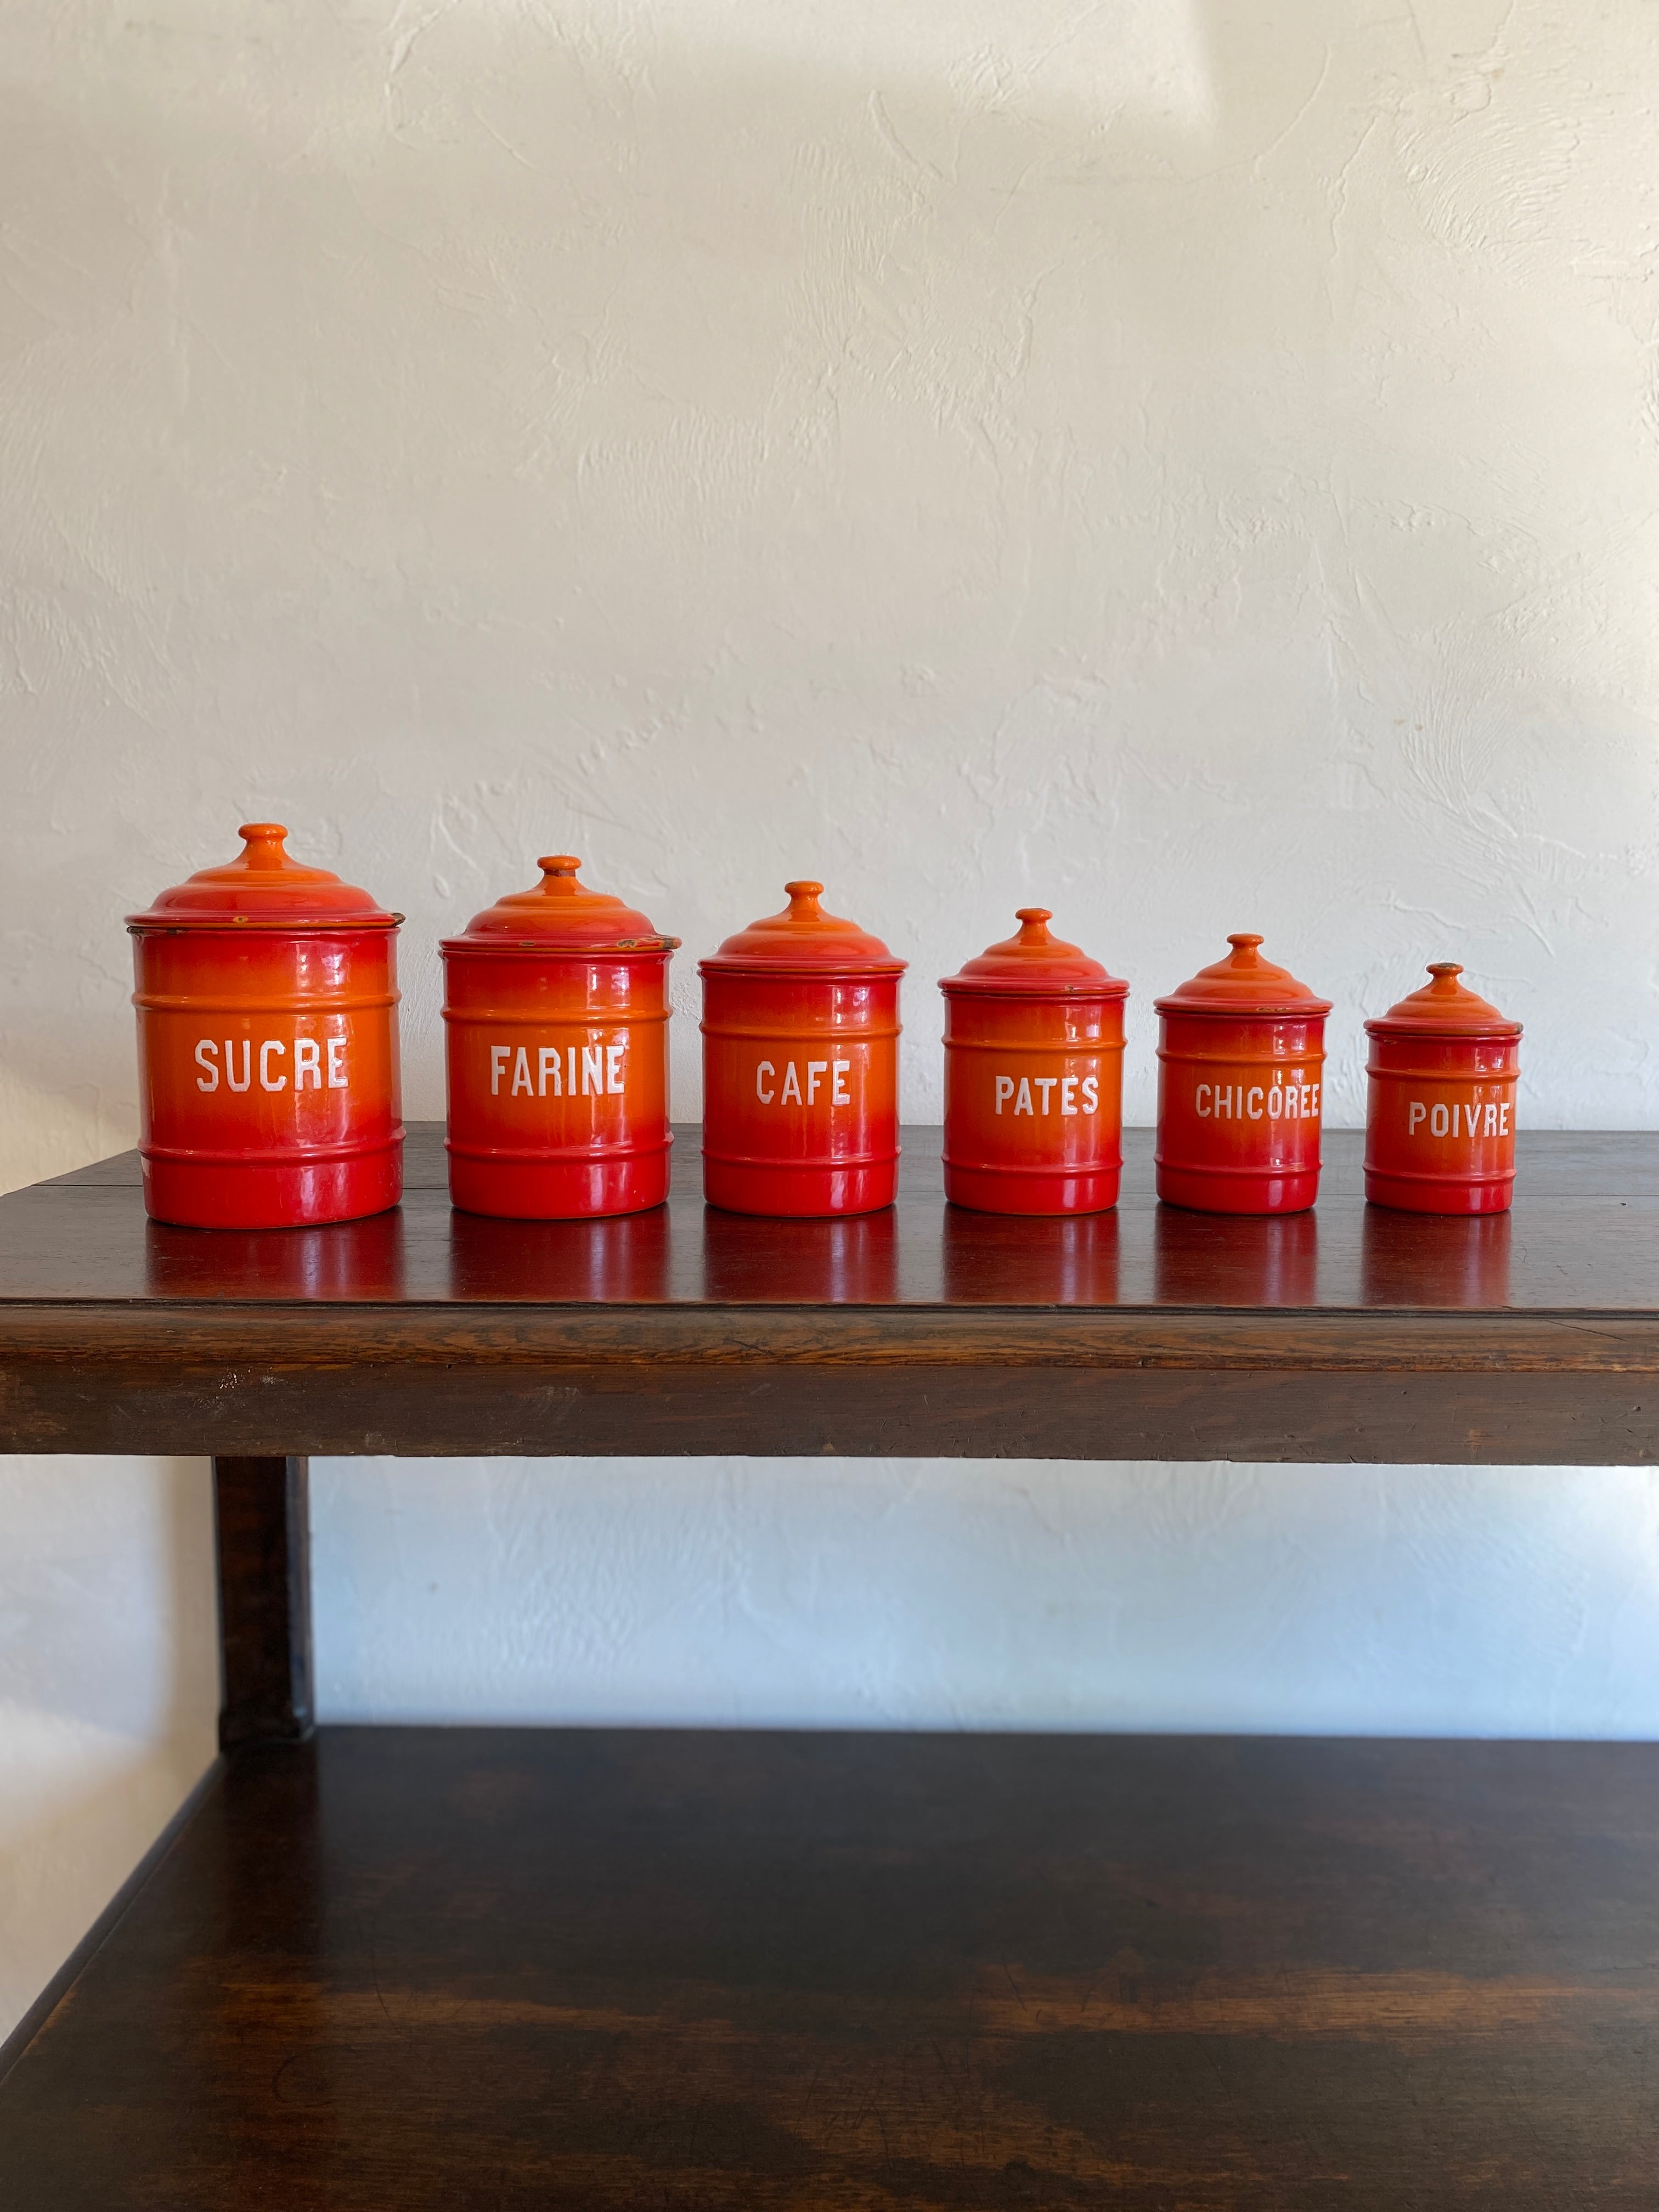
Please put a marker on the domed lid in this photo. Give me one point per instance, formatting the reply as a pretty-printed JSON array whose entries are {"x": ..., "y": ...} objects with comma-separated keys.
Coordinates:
[
  {"x": 1444, "y": 1008},
  {"x": 1036, "y": 963},
  {"x": 804, "y": 938},
  {"x": 264, "y": 888},
  {"x": 1243, "y": 983},
  {"x": 559, "y": 914}
]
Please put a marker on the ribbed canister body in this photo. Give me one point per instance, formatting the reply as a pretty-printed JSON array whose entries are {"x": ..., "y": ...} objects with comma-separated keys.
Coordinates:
[
  {"x": 557, "y": 1068},
  {"x": 268, "y": 1094},
  {"x": 1033, "y": 1101},
  {"x": 1440, "y": 1122},
  {"x": 1238, "y": 1110},
  {"x": 800, "y": 1091}
]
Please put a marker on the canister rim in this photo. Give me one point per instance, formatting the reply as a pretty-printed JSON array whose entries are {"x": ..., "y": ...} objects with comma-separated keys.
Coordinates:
[
  {"x": 799, "y": 963},
  {"x": 1273, "y": 1009},
  {"x": 1109, "y": 987},
  {"x": 160, "y": 922},
  {"x": 556, "y": 948}
]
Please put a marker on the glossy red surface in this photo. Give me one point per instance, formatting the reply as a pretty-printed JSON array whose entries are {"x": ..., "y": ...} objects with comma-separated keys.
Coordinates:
[
  {"x": 1033, "y": 1076},
  {"x": 1240, "y": 1059},
  {"x": 1440, "y": 1105},
  {"x": 801, "y": 1066},
  {"x": 556, "y": 1018},
  {"x": 267, "y": 1004}
]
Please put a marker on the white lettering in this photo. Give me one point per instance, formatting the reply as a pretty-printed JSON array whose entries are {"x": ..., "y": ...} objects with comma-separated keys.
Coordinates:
[
  {"x": 1045, "y": 1084},
  {"x": 1223, "y": 1102},
  {"x": 269, "y": 1045},
  {"x": 1202, "y": 1101},
  {"x": 499, "y": 1056},
  {"x": 207, "y": 1056},
  {"x": 1005, "y": 1089},
  {"x": 1417, "y": 1112},
  {"x": 1253, "y": 1104},
  {"x": 593, "y": 1071},
  {"x": 1090, "y": 1094},
  {"x": 547, "y": 1063},
  {"x": 337, "y": 1074},
  {"x": 248, "y": 1065},
  {"x": 765, "y": 1069},
  {"x": 1504, "y": 1118},
  {"x": 839, "y": 1094},
  {"x": 1276, "y": 1103},
  {"x": 308, "y": 1061},
  {"x": 791, "y": 1084},
  {"x": 816, "y": 1072},
  {"x": 1490, "y": 1129},
  {"x": 521, "y": 1073},
  {"x": 1439, "y": 1121},
  {"x": 1068, "y": 1094},
  {"x": 1023, "y": 1103},
  {"x": 613, "y": 1069}
]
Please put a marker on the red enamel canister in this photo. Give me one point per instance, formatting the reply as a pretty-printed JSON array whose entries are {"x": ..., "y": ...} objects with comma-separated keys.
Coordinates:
[
  {"x": 800, "y": 1065},
  {"x": 1440, "y": 1113},
  {"x": 267, "y": 999},
  {"x": 556, "y": 1014},
  {"x": 1033, "y": 1076},
  {"x": 1241, "y": 1057}
]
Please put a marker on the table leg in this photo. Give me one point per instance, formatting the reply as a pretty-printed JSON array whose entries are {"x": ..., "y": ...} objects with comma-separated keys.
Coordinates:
[{"x": 262, "y": 1515}]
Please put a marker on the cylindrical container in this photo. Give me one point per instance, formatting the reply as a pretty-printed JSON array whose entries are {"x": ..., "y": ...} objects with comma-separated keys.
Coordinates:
[
  {"x": 801, "y": 1066},
  {"x": 556, "y": 1014},
  {"x": 1241, "y": 1055},
  {"x": 1033, "y": 1076},
  {"x": 1440, "y": 1110},
  {"x": 267, "y": 999}
]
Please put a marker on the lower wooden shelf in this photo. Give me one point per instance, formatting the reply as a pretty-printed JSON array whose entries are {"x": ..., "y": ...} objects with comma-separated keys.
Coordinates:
[{"x": 454, "y": 1967}]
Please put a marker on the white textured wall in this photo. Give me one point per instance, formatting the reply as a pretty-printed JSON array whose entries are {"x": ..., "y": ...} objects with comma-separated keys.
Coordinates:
[{"x": 1191, "y": 462}]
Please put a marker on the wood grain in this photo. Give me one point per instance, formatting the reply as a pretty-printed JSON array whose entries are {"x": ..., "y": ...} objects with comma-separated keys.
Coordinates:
[
  {"x": 432, "y": 1968},
  {"x": 1349, "y": 1333}
]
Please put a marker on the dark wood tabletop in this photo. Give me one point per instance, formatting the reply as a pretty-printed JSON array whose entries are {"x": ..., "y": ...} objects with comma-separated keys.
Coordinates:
[
  {"x": 414, "y": 1970},
  {"x": 1349, "y": 1332}
]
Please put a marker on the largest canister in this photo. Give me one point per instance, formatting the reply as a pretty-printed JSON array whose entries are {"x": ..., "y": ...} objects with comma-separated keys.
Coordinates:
[
  {"x": 268, "y": 1089},
  {"x": 556, "y": 1018},
  {"x": 800, "y": 1065}
]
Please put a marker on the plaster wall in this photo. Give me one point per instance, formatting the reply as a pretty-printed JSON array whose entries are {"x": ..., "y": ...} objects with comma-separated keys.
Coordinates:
[{"x": 1189, "y": 464}]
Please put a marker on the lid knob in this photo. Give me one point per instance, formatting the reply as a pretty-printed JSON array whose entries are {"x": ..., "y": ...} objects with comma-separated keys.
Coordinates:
[
  {"x": 262, "y": 844},
  {"x": 559, "y": 874},
  {"x": 1031, "y": 920},
  {"x": 804, "y": 898},
  {"x": 1244, "y": 942},
  {"x": 1445, "y": 974}
]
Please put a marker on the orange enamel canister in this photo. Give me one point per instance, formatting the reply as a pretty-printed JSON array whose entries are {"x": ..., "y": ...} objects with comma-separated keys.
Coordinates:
[
  {"x": 1241, "y": 1057},
  {"x": 1033, "y": 1076},
  {"x": 801, "y": 1066},
  {"x": 1440, "y": 1114},
  {"x": 267, "y": 1005},
  {"x": 556, "y": 1011}
]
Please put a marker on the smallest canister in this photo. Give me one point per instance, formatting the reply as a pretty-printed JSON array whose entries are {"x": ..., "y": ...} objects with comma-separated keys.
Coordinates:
[
  {"x": 1241, "y": 1061},
  {"x": 1440, "y": 1106},
  {"x": 1033, "y": 1076}
]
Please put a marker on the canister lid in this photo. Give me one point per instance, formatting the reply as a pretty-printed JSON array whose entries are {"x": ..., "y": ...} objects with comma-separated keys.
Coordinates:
[
  {"x": 264, "y": 888},
  {"x": 1033, "y": 964},
  {"x": 804, "y": 939},
  {"x": 1444, "y": 1008},
  {"x": 560, "y": 913},
  {"x": 1243, "y": 983}
]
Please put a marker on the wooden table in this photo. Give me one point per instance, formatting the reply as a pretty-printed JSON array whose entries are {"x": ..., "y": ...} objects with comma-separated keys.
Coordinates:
[{"x": 511, "y": 1968}]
